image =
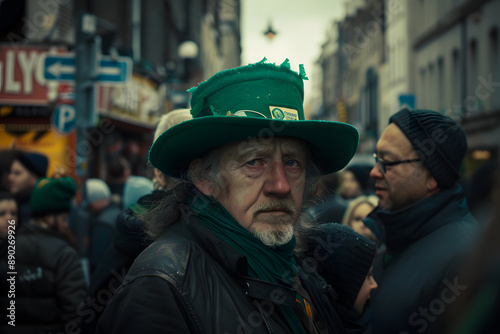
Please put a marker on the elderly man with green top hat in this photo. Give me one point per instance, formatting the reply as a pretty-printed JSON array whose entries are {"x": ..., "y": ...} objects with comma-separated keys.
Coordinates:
[{"x": 226, "y": 237}]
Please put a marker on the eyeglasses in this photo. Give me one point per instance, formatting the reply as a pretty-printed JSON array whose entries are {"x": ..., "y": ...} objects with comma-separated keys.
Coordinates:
[{"x": 382, "y": 165}]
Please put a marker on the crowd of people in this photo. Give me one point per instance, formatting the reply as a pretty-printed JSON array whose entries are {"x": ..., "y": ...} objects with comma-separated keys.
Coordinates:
[{"x": 259, "y": 222}]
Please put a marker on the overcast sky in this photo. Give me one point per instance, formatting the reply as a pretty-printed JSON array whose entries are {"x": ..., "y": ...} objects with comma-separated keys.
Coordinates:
[{"x": 301, "y": 27}]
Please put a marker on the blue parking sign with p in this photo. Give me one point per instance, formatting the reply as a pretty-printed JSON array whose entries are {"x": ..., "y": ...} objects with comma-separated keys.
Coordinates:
[{"x": 64, "y": 118}]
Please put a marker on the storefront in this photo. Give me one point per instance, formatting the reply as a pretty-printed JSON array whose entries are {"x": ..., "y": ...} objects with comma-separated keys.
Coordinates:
[
  {"x": 132, "y": 111},
  {"x": 27, "y": 101}
]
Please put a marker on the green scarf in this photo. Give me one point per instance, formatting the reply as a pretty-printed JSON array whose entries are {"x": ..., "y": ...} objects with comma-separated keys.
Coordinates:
[{"x": 271, "y": 264}]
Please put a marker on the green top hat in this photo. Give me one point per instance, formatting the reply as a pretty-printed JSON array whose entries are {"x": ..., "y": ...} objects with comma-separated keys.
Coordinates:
[{"x": 256, "y": 100}]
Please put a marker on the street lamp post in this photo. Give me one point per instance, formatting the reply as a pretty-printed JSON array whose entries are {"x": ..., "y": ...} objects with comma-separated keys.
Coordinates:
[
  {"x": 270, "y": 33},
  {"x": 186, "y": 51}
]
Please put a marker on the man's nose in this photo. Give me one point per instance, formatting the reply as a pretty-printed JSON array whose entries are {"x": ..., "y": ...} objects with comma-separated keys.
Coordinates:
[
  {"x": 376, "y": 173},
  {"x": 277, "y": 181},
  {"x": 373, "y": 283}
]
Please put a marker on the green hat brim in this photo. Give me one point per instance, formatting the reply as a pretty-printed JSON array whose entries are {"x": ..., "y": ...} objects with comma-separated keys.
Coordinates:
[{"x": 333, "y": 144}]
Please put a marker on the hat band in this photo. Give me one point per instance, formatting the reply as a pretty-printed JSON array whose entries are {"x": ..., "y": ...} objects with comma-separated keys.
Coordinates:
[
  {"x": 248, "y": 113},
  {"x": 278, "y": 113}
]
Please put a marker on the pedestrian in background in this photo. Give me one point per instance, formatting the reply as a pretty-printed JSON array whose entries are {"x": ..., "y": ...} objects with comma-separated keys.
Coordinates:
[
  {"x": 49, "y": 281},
  {"x": 102, "y": 213},
  {"x": 8, "y": 222},
  {"x": 327, "y": 206},
  {"x": 477, "y": 309},
  {"x": 118, "y": 171},
  {"x": 356, "y": 211},
  {"x": 479, "y": 191},
  {"x": 356, "y": 181},
  {"x": 7, "y": 156},
  {"x": 428, "y": 227},
  {"x": 174, "y": 117},
  {"x": 345, "y": 259},
  {"x": 25, "y": 171},
  {"x": 130, "y": 239}
]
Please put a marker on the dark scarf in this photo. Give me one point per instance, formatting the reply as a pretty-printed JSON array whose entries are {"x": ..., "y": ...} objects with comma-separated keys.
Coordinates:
[
  {"x": 271, "y": 264},
  {"x": 404, "y": 227}
]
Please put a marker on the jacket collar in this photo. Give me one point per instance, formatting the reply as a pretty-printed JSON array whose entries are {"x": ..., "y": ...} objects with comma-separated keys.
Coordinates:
[
  {"x": 236, "y": 264},
  {"x": 404, "y": 227},
  {"x": 232, "y": 261}
]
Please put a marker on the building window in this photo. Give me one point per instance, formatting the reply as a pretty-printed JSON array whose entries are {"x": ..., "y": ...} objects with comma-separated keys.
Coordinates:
[
  {"x": 472, "y": 78},
  {"x": 371, "y": 105},
  {"x": 494, "y": 67},
  {"x": 430, "y": 88},
  {"x": 474, "y": 105},
  {"x": 389, "y": 65},
  {"x": 393, "y": 65},
  {"x": 422, "y": 14},
  {"x": 441, "y": 97},
  {"x": 402, "y": 72},
  {"x": 422, "y": 93},
  {"x": 456, "y": 83}
]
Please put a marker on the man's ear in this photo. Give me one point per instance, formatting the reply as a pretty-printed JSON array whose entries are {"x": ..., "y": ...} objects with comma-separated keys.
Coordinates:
[
  {"x": 432, "y": 184},
  {"x": 159, "y": 177},
  {"x": 204, "y": 186}
]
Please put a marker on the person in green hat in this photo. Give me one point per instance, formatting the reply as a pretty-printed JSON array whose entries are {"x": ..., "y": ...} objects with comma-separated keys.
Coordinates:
[
  {"x": 51, "y": 204},
  {"x": 49, "y": 280},
  {"x": 226, "y": 236}
]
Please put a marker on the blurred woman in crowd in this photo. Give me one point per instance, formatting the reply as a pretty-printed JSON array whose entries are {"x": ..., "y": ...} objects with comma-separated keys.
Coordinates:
[
  {"x": 356, "y": 181},
  {"x": 356, "y": 211}
]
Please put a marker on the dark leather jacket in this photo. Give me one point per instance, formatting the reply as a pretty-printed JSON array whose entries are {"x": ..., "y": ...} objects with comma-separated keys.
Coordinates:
[{"x": 190, "y": 281}]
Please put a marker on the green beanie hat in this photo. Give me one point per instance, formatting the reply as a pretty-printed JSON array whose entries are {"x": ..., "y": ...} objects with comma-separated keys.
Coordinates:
[{"x": 52, "y": 196}]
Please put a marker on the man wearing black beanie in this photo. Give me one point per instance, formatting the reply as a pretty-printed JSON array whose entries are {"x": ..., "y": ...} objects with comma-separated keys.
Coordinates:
[
  {"x": 26, "y": 169},
  {"x": 426, "y": 224}
]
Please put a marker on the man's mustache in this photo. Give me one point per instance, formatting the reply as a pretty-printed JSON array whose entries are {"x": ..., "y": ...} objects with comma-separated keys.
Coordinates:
[{"x": 281, "y": 205}]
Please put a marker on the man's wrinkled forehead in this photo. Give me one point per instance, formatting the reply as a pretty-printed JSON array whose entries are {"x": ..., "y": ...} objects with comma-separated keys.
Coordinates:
[{"x": 263, "y": 146}]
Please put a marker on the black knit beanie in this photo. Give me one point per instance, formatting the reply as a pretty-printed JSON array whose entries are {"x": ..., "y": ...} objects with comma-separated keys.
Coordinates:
[
  {"x": 34, "y": 162},
  {"x": 343, "y": 257},
  {"x": 438, "y": 140}
]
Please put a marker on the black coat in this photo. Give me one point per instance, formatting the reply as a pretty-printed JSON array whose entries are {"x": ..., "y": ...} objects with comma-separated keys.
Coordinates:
[
  {"x": 130, "y": 240},
  {"x": 426, "y": 244},
  {"x": 190, "y": 281},
  {"x": 102, "y": 231},
  {"x": 49, "y": 283}
]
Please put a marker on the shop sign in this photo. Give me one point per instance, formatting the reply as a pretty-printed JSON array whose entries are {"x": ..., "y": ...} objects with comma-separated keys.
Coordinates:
[{"x": 21, "y": 76}]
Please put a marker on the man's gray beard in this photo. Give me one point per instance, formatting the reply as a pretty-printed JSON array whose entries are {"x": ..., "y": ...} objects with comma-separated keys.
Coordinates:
[
  {"x": 274, "y": 230},
  {"x": 277, "y": 234}
]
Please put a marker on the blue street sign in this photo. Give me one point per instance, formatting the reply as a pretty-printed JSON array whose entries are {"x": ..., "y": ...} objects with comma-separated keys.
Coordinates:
[
  {"x": 61, "y": 67},
  {"x": 114, "y": 71},
  {"x": 64, "y": 118},
  {"x": 407, "y": 100}
]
